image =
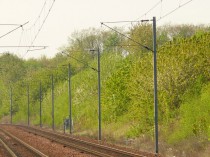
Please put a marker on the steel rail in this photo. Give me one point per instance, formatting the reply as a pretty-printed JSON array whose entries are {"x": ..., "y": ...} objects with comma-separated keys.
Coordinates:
[
  {"x": 66, "y": 143},
  {"x": 7, "y": 148},
  {"x": 95, "y": 149},
  {"x": 27, "y": 146}
]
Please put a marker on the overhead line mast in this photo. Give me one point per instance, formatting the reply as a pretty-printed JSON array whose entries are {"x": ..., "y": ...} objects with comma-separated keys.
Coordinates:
[{"x": 154, "y": 50}]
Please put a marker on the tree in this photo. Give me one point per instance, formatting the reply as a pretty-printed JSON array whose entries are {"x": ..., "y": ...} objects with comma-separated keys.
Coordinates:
[
  {"x": 141, "y": 33},
  {"x": 12, "y": 68},
  {"x": 85, "y": 39}
]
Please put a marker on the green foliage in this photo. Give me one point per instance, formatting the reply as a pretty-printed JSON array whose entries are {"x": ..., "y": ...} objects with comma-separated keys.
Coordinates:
[
  {"x": 141, "y": 33},
  {"x": 181, "y": 31},
  {"x": 115, "y": 97},
  {"x": 12, "y": 68},
  {"x": 112, "y": 40},
  {"x": 195, "y": 119},
  {"x": 129, "y": 91},
  {"x": 127, "y": 84},
  {"x": 84, "y": 94}
]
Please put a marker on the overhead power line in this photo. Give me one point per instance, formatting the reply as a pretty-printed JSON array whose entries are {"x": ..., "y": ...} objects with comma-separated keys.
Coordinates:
[
  {"x": 20, "y": 39},
  {"x": 141, "y": 45},
  {"x": 126, "y": 21},
  {"x": 159, "y": 2},
  {"x": 23, "y": 46},
  {"x": 43, "y": 23},
  {"x": 37, "y": 49},
  {"x": 80, "y": 61},
  {"x": 172, "y": 11},
  {"x": 20, "y": 26},
  {"x": 10, "y": 24},
  {"x": 34, "y": 24},
  {"x": 39, "y": 30},
  {"x": 40, "y": 13},
  {"x": 153, "y": 7},
  {"x": 121, "y": 21}
]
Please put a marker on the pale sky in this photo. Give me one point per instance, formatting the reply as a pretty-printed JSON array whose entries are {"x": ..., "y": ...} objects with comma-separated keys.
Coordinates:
[{"x": 68, "y": 16}]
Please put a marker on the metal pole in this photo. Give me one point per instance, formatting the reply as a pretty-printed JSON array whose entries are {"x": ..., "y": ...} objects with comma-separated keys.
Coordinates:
[
  {"x": 70, "y": 102},
  {"x": 99, "y": 96},
  {"x": 28, "y": 104},
  {"x": 40, "y": 103},
  {"x": 155, "y": 86},
  {"x": 10, "y": 105},
  {"x": 53, "y": 125}
]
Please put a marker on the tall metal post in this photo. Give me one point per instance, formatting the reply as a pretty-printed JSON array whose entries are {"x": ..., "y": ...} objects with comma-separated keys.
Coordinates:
[
  {"x": 40, "y": 103},
  {"x": 10, "y": 105},
  {"x": 53, "y": 122},
  {"x": 99, "y": 96},
  {"x": 70, "y": 102},
  {"x": 155, "y": 86},
  {"x": 28, "y": 105}
]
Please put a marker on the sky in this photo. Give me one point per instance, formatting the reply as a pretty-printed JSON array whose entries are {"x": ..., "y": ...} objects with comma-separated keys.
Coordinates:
[{"x": 68, "y": 16}]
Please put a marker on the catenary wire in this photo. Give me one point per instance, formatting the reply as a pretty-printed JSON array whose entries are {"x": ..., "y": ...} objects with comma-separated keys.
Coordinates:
[
  {"x": 80, "y": 61},
  {"x": 7, "y": 24},
  {"x": 20, "y": 40},
  {"x": 159, "y": 2},
  {"x": 172, "y": 11},
  {"x": 13, "y": 30},
  {"x": 40, "y": 27},
  {"x": 180, "y": 5},
  {"x": 21, "y": 46},
  {"x": 40, "y": 13},
  {"x": 152, "y": 8},
  {"x": 146, "y": 47}
]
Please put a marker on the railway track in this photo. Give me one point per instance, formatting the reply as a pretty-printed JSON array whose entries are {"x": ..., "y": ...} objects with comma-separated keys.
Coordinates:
[
  {"x": 6, "y": 150},
  {"x": 88, "y": 147},
  {"x": 16, "y": 147}
]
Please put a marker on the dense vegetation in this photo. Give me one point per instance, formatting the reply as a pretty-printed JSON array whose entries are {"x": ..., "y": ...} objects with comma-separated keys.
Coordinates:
[{"x": 127, "y": 86}]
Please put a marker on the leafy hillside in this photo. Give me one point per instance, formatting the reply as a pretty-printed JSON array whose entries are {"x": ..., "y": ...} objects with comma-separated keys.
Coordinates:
[{"x": 127, "y": 90}]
